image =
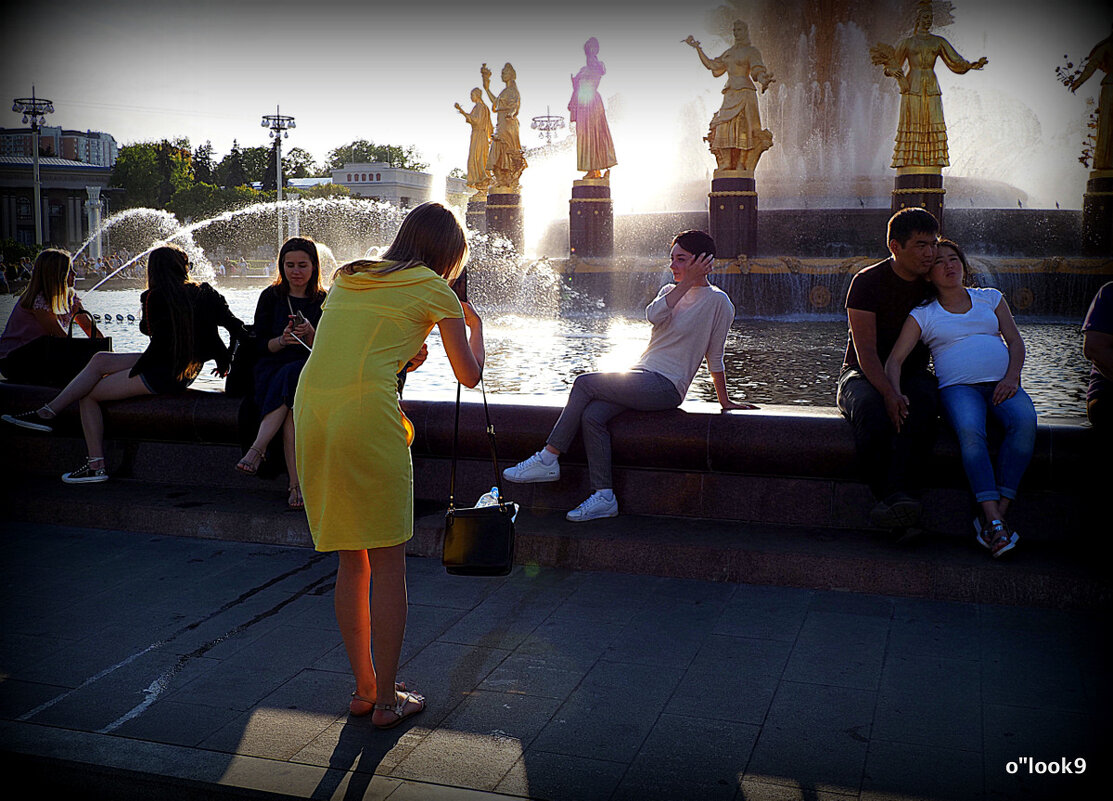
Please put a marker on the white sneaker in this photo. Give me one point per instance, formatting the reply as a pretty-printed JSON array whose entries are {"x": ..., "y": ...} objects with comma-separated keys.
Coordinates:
[
  {"x": 86, "y": 474},
  {"x": 594, "y": 508},
  {"x": 532, "y": 471}
]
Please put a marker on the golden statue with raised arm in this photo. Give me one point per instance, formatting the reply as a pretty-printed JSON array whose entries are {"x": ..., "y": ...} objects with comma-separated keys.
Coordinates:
[
  {"x": 505, "y": 159},
  {"x": 594, "y": 146},
  {"x": 921, "y": 130},
  {"x": 1101, "y": 57},
  {"x": 479, "y": 118},
  {"x": 737, "y": 139}
]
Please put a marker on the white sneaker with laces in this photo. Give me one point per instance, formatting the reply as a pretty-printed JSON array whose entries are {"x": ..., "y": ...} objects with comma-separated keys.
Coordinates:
[
  {"x": 86, "y": 474},
  {"x": 594, "y": 508},
  {"x": 532, "y": 471}
]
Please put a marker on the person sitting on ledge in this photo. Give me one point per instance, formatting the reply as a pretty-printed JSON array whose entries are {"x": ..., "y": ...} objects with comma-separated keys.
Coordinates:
[
  {"x": 978, "y": 355},
  {"x": 877, "y": 304},
  {"x": 690, "y": 322},
  {"x": 1097, "y": 346},
  {"x": 181, "y": 318},
  {"x": 45, "y": 309},
  {"x": 286, "y": 317}
]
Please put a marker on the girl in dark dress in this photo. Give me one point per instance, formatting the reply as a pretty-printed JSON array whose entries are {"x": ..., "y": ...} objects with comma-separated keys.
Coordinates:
[
  {"x": 286, "y": 318},
  {"x": 181, "y": 318}
]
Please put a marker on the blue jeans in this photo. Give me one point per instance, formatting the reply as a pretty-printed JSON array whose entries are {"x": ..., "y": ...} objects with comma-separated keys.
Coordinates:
[{"x": 966, "y": 406}]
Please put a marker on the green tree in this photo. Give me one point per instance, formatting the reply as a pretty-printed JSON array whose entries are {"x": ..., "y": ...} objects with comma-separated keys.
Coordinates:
[
  {"x": 204, "y": 169},
  {"x": 230, "y": 172},
  {"x": 322, "y": 190},
  {"x": 299, "y": 163},
  {"x": 150, "y": 172},
  {"x": 201, "y": 201},
  {"x": 255, "y": 161}
]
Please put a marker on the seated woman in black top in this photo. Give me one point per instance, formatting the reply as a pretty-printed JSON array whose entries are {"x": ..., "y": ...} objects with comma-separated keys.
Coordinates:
[
  {"x": 285, "y": 325},
  {"x": 181, "y": 318}
]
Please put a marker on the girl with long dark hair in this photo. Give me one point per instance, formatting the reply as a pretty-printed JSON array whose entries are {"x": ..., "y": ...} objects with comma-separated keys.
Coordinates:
[{"x": 181, "y": 318}]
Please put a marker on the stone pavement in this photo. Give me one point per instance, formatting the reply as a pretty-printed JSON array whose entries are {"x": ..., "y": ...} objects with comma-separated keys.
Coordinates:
[{"x": 145, "y": 666}]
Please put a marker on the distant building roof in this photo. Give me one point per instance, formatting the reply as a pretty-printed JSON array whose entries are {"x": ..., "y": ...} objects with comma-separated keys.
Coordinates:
[
  {"x": 303, "y": 183},
  {"x": 50, "y": 161}
]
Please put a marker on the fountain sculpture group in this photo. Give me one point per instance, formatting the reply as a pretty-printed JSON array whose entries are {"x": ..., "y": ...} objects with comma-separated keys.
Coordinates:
[{"x": 737, "y": 140}]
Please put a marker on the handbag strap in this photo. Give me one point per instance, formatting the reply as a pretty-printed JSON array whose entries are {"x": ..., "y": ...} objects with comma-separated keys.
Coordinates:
[
  {"x": 92, "y": 321},
  {"x": 455, "y": 444}
]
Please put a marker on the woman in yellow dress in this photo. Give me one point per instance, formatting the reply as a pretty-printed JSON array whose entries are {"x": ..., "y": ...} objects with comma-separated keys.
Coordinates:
[{"x": 353, "y": 441}]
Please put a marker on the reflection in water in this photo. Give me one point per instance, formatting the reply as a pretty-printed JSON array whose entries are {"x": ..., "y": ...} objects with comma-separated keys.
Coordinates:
[{"x": 768, "y": 361}]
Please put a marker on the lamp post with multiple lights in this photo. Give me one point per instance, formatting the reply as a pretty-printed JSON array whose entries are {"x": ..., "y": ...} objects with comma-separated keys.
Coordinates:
[
  {"x": 34, "y": 110},
  {"x": 278, "y": 123}
]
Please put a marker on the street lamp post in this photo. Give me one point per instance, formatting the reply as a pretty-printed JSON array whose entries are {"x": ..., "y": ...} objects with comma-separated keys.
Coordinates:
[
  {"x": 278, "y": 123},
  {"x": 35, "y": 109}
]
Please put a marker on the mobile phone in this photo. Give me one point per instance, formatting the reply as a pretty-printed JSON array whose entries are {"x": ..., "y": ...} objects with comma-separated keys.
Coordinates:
[
  {"x": 460, "y": 286},
  {"x": 299, "y": 318}
]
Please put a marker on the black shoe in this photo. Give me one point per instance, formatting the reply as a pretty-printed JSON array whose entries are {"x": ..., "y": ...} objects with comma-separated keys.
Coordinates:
[
  {"x": 29, "y": 420},
  {"x": 897, "y": 511}
]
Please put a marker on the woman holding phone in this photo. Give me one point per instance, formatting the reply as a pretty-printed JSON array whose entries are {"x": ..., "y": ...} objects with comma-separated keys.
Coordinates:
[
  {"x": 353, "y": 440},
  {"x": 286, "y": 317}
]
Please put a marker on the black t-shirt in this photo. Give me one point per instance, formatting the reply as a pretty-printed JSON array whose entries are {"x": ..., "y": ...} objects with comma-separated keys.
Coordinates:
[{"x": 879, "y": 290}]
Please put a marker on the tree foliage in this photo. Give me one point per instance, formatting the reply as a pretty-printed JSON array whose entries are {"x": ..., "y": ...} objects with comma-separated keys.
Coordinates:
[
  {"x": 150, "y": 172},
  {"x": 362, "y": 151}
]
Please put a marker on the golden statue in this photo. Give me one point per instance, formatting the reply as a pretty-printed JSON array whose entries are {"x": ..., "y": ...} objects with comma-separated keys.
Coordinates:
[
  {"x": 594, "y": 146},
  {"x": 506, "y": 158},
  {"x": 479, "y": 118},
  {"x": 921, "y": 131},
  {"x": 737, "y": 139},
  {"x": 1101, "y": 57}
]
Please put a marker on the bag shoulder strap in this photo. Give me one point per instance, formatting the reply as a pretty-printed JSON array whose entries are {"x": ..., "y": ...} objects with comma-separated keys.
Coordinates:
[{"x": 455, "y": 446}]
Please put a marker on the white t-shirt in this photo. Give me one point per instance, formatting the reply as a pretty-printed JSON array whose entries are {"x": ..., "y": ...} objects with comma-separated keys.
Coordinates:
[
  {"x": 965, "y": 348},
  {"x": 683, "y": 336}
]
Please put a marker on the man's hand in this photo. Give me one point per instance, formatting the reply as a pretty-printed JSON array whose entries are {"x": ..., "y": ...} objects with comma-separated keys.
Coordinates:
[{"x": 897, "y": 407}]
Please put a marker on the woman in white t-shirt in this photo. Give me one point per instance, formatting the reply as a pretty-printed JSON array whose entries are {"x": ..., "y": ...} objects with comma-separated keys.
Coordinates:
[
  {"x": 690, "y": 322},
  {"x": 978, "y": 355}
]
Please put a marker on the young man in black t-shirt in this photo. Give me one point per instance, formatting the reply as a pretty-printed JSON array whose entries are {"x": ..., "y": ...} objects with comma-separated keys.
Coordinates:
[{"x": 879, "y": 300}]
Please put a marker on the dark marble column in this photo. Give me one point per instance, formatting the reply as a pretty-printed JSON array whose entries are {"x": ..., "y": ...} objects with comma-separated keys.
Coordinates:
[
  {"x": 504, "y": 216},
  {"x": 732, "y": 216},
  {"x": 591, "y": 218}
]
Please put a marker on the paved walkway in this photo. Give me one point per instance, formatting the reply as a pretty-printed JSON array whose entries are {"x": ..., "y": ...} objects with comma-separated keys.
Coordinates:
[{"x": 154, "y": 666}]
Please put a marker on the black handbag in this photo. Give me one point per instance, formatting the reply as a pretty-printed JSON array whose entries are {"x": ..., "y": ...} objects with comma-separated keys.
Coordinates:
[
  {"x": 54, "y": 361},
  {"x": 478, "y": 541}
]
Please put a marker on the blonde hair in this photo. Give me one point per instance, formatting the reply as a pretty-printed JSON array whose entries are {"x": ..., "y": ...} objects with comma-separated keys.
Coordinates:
[
  {"x": 430, "y": 236},
  {"x": 48, "y": 278}
]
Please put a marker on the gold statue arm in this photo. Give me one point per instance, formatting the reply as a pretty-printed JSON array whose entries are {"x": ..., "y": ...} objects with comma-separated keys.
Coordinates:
[
  {"x": 956, "y": 63},
  {"x": 760, "y": 74},
  {"x": 485, "y": 73},
  {"x": 716, "y": 65}
]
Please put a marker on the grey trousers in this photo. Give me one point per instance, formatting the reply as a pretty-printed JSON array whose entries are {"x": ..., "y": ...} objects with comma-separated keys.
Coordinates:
[{"x": 595, "y": 399}]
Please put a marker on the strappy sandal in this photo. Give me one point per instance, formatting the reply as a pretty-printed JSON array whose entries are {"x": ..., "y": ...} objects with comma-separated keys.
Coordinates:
[
  {"x": 399, "y": 686},
  {"x": 295, "y": 501},
  {"x": 250, "y": 466},
  {"x": 399, "y": 709}
]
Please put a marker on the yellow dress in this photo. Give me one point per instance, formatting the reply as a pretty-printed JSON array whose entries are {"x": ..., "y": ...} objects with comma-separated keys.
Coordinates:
[{"x": 352, "y": 442}]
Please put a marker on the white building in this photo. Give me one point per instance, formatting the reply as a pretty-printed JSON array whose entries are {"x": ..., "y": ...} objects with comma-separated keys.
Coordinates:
[{"x": 379, "y": 181}]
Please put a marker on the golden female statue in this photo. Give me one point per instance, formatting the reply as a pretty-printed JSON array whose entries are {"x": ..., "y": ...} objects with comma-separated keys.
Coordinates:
[
  {"x": 505, "y": 159},
  {"x": 1101, "y": 57},
  {"x": 921, "y": 131},
  {"x": 594, "y": 146},
  {"x": 479, "y": 118},
  {"x": 737, "y": 139}
]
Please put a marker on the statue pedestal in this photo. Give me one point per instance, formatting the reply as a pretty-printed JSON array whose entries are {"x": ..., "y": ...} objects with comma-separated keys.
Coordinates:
[
  {"x": 476, "y": 216},
  {"x": 1097, "y": 214},
  {"x": 919, "y": 186},
  {"x": 732, "y": 214},
  {"x": 504, "y": 215},
  {"x": 591, "y": 218}
]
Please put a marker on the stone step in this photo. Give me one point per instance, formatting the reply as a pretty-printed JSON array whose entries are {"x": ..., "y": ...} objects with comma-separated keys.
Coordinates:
[{"x": 937, "y": 565}]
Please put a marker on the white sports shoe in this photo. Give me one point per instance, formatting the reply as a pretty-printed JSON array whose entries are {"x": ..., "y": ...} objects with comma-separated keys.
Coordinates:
[
  {"x": 594, "y": 508},
  {"x": 532, "y": 471}
]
